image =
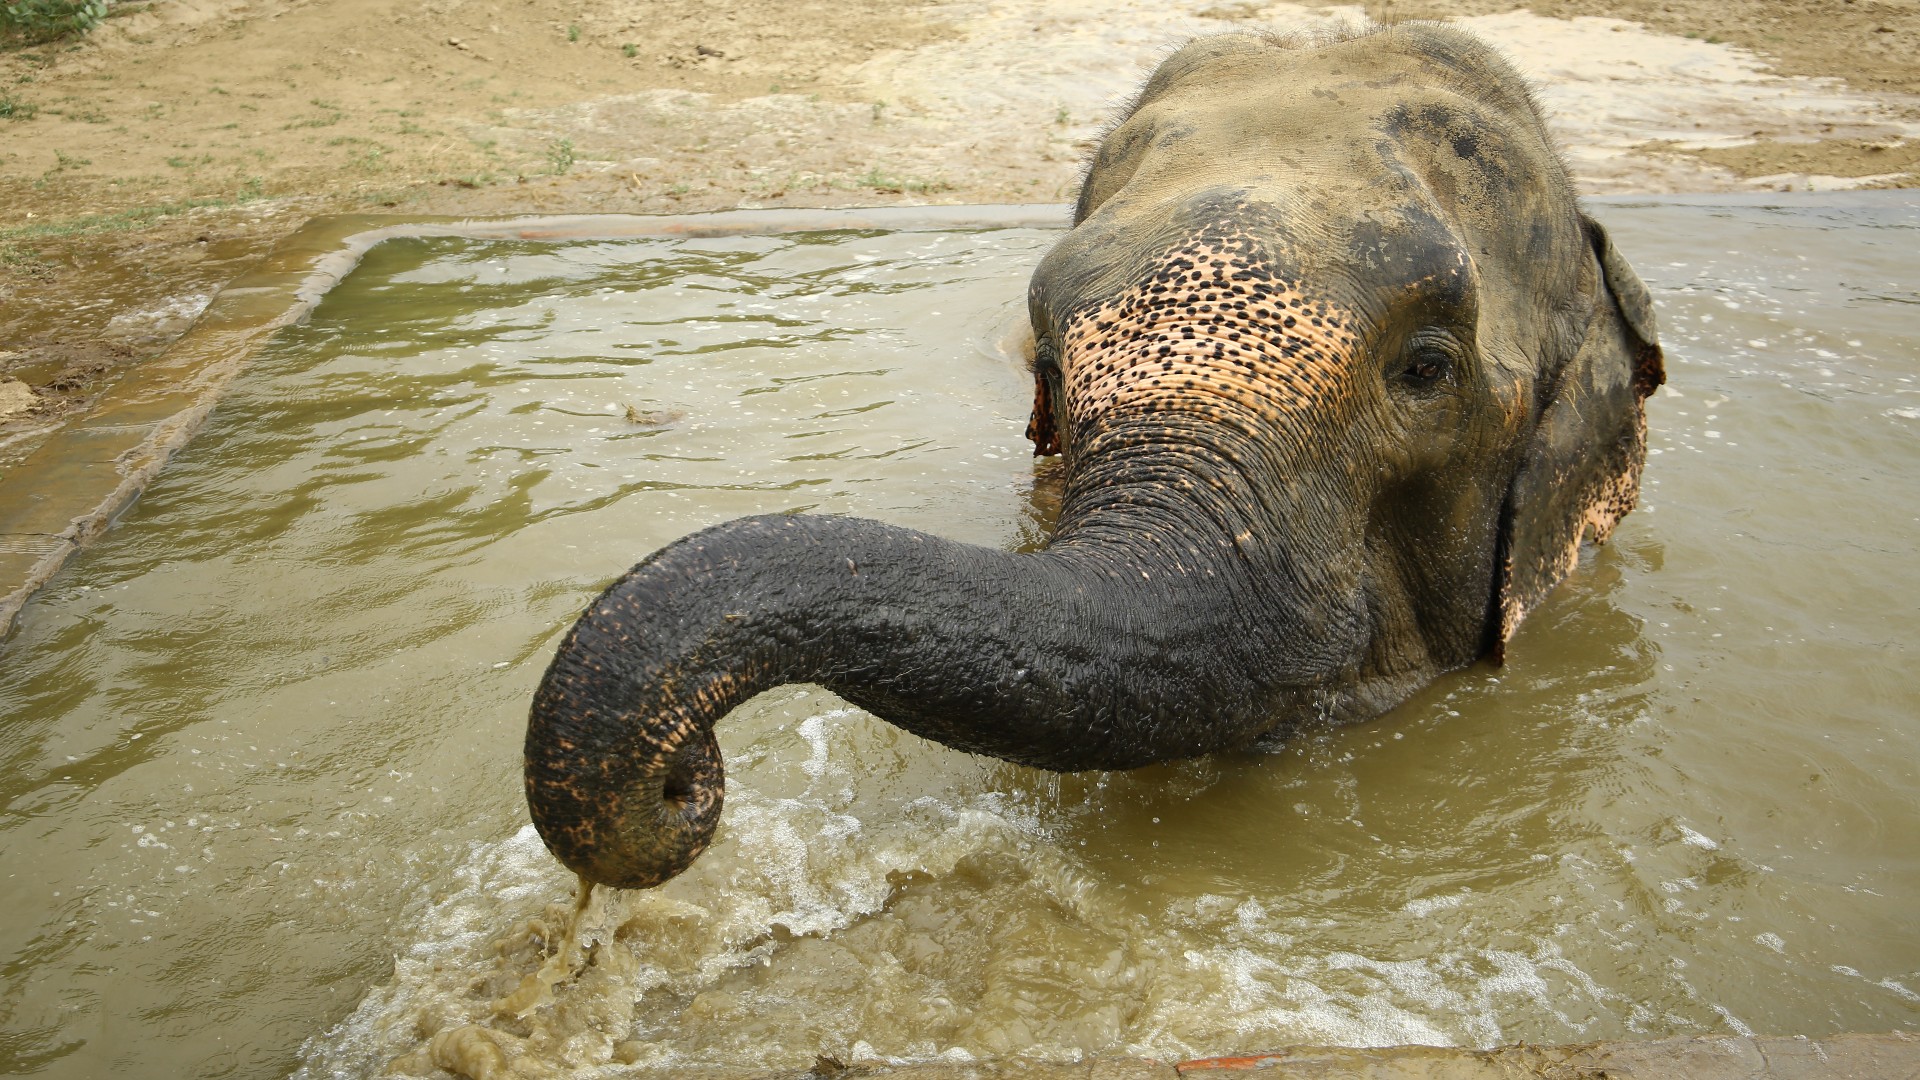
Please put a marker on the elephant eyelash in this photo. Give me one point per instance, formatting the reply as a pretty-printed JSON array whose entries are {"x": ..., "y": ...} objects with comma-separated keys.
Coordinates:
[{"x": 1426, "y": 367}]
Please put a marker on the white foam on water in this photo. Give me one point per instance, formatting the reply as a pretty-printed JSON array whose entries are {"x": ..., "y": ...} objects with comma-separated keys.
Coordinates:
[
  {"x": 782, "y": 869},
  {"x": 1424, "y": 906},
  {"x": 808, "y": 921},
  {"x": 1698, "y": 840}
]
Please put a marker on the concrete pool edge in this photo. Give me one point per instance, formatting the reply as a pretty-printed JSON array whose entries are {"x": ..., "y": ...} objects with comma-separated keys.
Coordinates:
[
  {"x": 1892, "y": 1056},
  {"x": 71, "y": 488}
]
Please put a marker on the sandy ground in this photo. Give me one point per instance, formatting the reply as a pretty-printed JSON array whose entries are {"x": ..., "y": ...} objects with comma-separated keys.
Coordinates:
[{"x": 145, "y": 165}]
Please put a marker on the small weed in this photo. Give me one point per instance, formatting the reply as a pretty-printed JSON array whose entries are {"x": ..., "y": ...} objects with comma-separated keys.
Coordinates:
[
  {"x": 24, "y": 261},
  {"x": 560, "y": 157},
  {"x": 879, "y": 108},
  {"x": 12, "y": 108},
  {"x": 899, "y": 185},
  {"x": 573, "y": 33},
  {"x": 629, "y": 50},
  {"x": 316, "y": 122},
  {"x": 677, "y": 190},
  {"x": 334, "y": 115},
  {"x": 1062, "y": 118}
]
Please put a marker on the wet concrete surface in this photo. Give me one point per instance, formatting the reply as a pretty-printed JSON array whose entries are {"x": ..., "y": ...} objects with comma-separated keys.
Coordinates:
[{"x": 1841, "y": 1057}]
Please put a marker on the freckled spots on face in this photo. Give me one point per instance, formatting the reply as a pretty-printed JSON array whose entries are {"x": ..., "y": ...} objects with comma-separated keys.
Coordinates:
[{"x": 1209, "y": 330}]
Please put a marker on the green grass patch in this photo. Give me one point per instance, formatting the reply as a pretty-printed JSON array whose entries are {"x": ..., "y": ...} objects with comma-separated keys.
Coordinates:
[
  {"x": 131, "y": 218},
  {"x": 315, "y": 122},
  {"x": 888, "y": 184},
  {"x": 21, "y": 260},
  {"x": 34, "y": 22}
]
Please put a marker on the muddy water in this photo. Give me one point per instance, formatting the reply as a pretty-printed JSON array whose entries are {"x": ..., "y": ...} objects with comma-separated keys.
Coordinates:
[{"x": 261, "y": 745}]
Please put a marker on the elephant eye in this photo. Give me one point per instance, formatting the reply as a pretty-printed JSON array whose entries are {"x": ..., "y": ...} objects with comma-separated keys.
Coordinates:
[{"x": 1425, "y": 367}]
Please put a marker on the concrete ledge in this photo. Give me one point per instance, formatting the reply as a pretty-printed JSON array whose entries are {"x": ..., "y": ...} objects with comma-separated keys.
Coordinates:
[
  {"x": 1893, "y": 1056},
  {"x": 1698, "y": 1057}
]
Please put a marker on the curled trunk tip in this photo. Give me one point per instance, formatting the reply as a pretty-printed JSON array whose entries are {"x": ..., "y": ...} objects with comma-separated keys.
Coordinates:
[{"x": 630, "y": 821}]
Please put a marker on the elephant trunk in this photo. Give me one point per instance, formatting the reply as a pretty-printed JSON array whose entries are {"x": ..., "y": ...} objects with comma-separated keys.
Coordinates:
[{"x": 1086, "y": 655}]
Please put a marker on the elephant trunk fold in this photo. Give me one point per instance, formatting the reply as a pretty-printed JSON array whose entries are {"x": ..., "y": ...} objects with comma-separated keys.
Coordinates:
[{"x": 1068, "y": 659}]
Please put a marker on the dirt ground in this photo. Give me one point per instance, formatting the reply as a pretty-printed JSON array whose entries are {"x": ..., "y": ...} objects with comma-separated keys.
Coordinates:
[{"x": 144, "y": 165}]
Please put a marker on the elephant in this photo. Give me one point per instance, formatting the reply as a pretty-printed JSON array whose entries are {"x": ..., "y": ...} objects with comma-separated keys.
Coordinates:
[{"x": 1343, "y": 377}]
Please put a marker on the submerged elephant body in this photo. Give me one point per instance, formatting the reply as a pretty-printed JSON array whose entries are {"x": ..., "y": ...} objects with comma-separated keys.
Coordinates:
[{"x": 1343, "y": 378}]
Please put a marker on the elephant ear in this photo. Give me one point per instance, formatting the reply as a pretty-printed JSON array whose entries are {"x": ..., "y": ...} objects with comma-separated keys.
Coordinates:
[
  {"x": 1579, "y": 473},
  {"x": 1043, "y": 426},
  {"x": 1041, "y": 429}
]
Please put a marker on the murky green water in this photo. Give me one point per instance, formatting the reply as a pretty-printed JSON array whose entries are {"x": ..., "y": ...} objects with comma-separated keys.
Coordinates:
[{"x": 261, "y": 746}]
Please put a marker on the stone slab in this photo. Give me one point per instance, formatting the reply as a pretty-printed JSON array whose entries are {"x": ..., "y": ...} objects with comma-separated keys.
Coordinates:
[
  {"x": 1894, "y": 1056},
  {"x": 1701, "y": 1057}
]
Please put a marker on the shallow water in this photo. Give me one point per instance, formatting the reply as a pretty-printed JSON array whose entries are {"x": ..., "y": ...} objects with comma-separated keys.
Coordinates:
[{"x": 261, "y": 746}]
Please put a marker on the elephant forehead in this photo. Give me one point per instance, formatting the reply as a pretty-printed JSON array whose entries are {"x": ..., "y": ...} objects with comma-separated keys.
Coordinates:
[{"x": 1208, "y": 330}]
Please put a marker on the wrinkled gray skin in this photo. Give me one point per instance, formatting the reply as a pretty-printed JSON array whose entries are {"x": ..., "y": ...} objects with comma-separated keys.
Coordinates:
[
  {"x": 1401, "y": 183},
  {"x": 1343, "y": 378}
]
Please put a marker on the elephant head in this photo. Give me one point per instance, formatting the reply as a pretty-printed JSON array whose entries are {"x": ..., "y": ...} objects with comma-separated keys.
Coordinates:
[{"x": 1343, "y": 378}]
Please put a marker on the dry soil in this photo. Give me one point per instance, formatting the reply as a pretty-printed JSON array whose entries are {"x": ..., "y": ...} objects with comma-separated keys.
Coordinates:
[{"x": 146, "y": 164}]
